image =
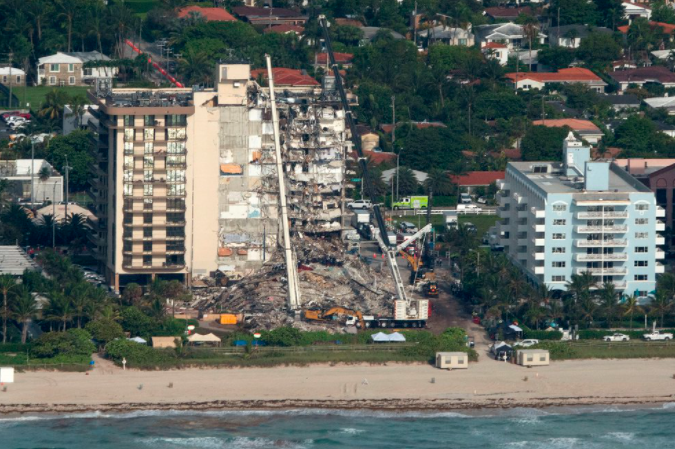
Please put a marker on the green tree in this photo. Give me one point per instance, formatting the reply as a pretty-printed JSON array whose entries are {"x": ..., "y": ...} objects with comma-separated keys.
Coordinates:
[
  {"x": 610, "y": 13},
  {"x": 634, "y": 134},
  {"x": 104, "y": 330},
  {"x": 541, "y": 143},
  {"x": 77, "y": 146},
  {"x": 196, "y": 68},
  {"x": 660, "y": 306},
  {"x": 439, "y": 182},
  {"x": 631, "y": 307},
  {"x": 52, "y": 108},
  {"x": 348, "y": 34},
  {"x": 609, "y": 298},
  {"x": 132, "y": 294},
  {"x": 662, "y": 13},
  {"x": 556, "y": 57},
  {"x": 72, "y": 342},
  {"x": 406, "y": 180},
  {"x": 599, "y": 49},
  {"x": 24, "y": 309},
  {"x": 7, "y": 285},
  {"x": 573, "y": 12}
]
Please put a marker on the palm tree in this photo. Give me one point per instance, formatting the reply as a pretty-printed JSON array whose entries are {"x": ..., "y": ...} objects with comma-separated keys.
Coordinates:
[
  {"x": 69, "y": 8},
  {"x": 609, "y": 299},
  {"x": 24, "y": 309},
  {"x": 660, "y": 305},
  {"x": 631, "y": 306},
  {"x": 194, "y": 66},
  {"x": 406, "y": 182},
  {"x": 80, "y": 299},
  {"x": 531, "y": 30},
  {"x": 535, "y": 314},
  {"x": 588, "y": 307},
  {"x": 666, "y": 283},
  {"x": 47, "y": 229},
  {"x": 52, "y": 108},
  {"x": 75, "y": 230},
  {"x": 580, "y": 285},
  {"x": 59, "y": 309},
  {"x": 79, "y": 106},
  {"x": 438, "y": 182},
  {"x": 7, "y": 284}
]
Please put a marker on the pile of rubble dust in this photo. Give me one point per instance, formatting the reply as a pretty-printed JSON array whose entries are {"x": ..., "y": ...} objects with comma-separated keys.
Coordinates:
[{"x": 328, "y": 278}]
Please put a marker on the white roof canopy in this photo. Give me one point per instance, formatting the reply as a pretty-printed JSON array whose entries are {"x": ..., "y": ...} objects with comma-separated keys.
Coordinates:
[{"x": 203, "y": 338}]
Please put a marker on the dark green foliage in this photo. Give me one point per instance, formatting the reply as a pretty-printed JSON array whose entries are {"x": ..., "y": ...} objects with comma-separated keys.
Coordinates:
[
  {"x": 71, "y": 342},
  {"x": 104, "y": 330},
  {"x": 541, "y": 335},
  {"x": 556, "y": 57},
  {"x": 137, "y": 354},
  {"x": 541, "y": 143},
  {"x": 599, "y": 49}
]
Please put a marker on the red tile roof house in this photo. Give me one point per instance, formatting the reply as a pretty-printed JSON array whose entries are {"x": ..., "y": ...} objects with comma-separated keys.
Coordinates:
[
  {"x": 536, "y": 80},
  {"x": 342, "y": 59},
  {"x": 584, "y": 128},
  {"x": 474, "y": 179},
  {"x": 288, "y": 79},
  {"x": 643, "y": 75},
  {"x": 209, "y": 14},
  {"x": 285, "y": 29}
]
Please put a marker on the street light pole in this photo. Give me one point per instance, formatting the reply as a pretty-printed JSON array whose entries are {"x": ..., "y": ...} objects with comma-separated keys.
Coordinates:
[
  {"x": 54, "y": 217},
  {"x": 32, "y": 171}
]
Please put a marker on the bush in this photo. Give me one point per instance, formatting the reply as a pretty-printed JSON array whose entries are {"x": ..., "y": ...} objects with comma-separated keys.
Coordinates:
[
  {"x": 557, "y": 350},
  {"x": 72, "y": 342},
  {"x": 138, "y": 354},
  {"x": 283, "y": 336},
  {"x": 104, "y": 330},
  {"x": 542, "y": 335}
]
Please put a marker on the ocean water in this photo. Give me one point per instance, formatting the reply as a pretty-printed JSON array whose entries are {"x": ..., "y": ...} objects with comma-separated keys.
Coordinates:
[{"x": 588, "y": 428}]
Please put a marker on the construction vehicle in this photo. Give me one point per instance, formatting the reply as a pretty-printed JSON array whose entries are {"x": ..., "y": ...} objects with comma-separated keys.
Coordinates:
[
  {"x": 408, "y": 312},
  {"x": 333, "y": 313}
]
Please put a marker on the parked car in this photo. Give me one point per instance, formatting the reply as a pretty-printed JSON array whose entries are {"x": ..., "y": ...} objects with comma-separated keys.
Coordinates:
[
  {"x": 360, "y": 204},
  {"x": 616, "y": 337},
  {"x": 407, "y": 227},
  {"x": 18, "y": 125},
  {"x": 470, "y": 227},
  {"x": 527, "y": 343},
  {"x": 7, "y": 115},
  {"x": 482, "y": 200},
  {"x": 464, "y": 198},
  {"x": 657, "y": 335}
]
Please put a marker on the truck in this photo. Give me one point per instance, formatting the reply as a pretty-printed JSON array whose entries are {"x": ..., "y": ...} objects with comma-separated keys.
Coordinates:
[
  {"x": 465, "y": 198},
  {"x": 412, "y": 202},
  {"x": 360, "y": 204},
  {"x": 360, "y": 217},
  {"x": 450, "y": 219},
  {"x": 657, "y": 335},
  {"x": 468, "y": 209}
]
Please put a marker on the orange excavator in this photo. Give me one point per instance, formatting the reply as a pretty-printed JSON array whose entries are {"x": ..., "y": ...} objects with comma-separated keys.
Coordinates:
[{"x": 319, "y": 315}]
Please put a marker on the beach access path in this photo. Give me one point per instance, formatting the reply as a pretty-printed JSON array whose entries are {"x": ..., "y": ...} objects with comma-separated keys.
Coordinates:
[{"x": 392, "y": 386}]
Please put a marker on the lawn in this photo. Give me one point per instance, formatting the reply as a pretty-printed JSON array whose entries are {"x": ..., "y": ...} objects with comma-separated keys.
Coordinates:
[
  {"x": 35, "y": 96},
  {"x": 141, "y": 7},
  {"x": 615, "y": 350},
  {"x": 482, "y": 222}
]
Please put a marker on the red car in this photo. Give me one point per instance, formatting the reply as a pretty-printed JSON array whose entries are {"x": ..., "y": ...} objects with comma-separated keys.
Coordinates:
[{"x": 7, "y": 115}]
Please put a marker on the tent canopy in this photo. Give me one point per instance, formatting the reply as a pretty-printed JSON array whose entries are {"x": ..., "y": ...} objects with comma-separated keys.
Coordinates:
[
  {"x": 138, "y": 340},
  {"x": 380, "y": 337},
  {"x": 515, "y": 328},
  {"x": 396, "y": 337},
  {"x": 211, "y": 338}
]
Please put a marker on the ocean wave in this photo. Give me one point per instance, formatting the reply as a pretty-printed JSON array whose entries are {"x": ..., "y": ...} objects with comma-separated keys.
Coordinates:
[
  {"x": 551, "y": 443},
  {"x": 221, "y": 443},
  {"x": 668, "y": 405},
  {"x": 352, "y": 431},
  {"x": 620, "y": 436}
]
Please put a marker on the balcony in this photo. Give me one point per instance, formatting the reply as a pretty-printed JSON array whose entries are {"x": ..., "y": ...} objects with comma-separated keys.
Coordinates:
[
  {"x": 539, "y": 270},
  {"x": 660, "y": 254},
  {"x": 660, "y": 212},
  {"x": 503, "y": 185},
  {"x": 523, "y": 213},
  {"x": 600, "y": 257},
  {"x": 601, "y": 243},
  {"x": 539, "y": 227},
  {"x": 617, "y": 229},
  {"x": 591, "y": 215},
  {"x": 660, "y": 268},
  {"x": 163, "y": 267},
  {"x": 620, "y": 285},
  {"x": 601, "y": 202},
  {"x": 538, "y": 213},
  {"x": 522, "y": 242},
  {"x": 539, "y": 242},
  {"x": 538, "y": 256},
  {"x": 523, "y": 228},
  {"x": 504, "y": 200},
  {"x": 660, "y": 226},
  {"x": 660, "y": 240},
  {"x": 503, "y": 212},
  {"x": 614, "y": 271},
  {"x": 520, "y": 199}
]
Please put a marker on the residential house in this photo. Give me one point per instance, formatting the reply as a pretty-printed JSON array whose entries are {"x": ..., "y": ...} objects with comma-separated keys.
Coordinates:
[
  {"x": 570, "y": 36},
  {"x": 207, "y": 14},
  {"x": 511, "y": 34},
  {"x": 473, "y": 179},
  {"x": 10, "y": 76},
  {"x": 285, "y": 29},
  {"x": 662, "y": 31},
  {"x": 665, "y": 128},
  {"x": 68, "y": 69},
  {"x": 72, "y": 121},
  {"x": 623, "y": 102},
  {"x": 501, "y": 13},
  {"x": 667, "y": 103},
  {"x": 269, "y": 16},
  {"x": 369, "y": 34},
  {"x": 563, "y": 218},
  {"x": 527, "y": 81},
  {"x": 292, "y": 80},
  {"x": 497, "y": 51},
  {"x": 447, "y": 35},
  {"x": 644, "y": 75},
  {"x": 342, "y": 59},
  {"x": 586, "y": 129},
  {"x": 387, "y": 175},
  {"x": 633, "y": 11}
]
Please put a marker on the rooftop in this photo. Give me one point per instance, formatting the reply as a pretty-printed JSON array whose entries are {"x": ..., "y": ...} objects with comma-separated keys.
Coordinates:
[
  {"x": 340, "y": 58},
  {"x": 578, "y": 31},
  {"x": 502, "y": 12},
  {"x": 210, "y": 14},
  {"x": 562, "y": 75},
  {"x": 21, "y": 168},
  {"x": 578, "y": 125},
  {"x": 644, "y": 74},
  {"x": 478, "y": 178},
  {"x": 666, "y": 27},
  {"x": 170, "y": 97},
  {"x": 494, "y": 45},
  {"x": 284, "y": 28},
  {"x": 252, "y": 11},
  {"x": 287, "y": 77}
]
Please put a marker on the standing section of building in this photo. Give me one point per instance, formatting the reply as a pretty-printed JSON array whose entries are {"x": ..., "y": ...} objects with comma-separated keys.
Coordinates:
[{"x": 561, "y": 219}]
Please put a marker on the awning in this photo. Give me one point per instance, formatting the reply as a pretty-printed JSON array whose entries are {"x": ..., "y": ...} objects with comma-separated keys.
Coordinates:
[
  {"x": 515, "y": 328},
  {"x": 396, "y": 337},
  {"x": 138, "y": 340},
  {"x": 380, "y": 337}
]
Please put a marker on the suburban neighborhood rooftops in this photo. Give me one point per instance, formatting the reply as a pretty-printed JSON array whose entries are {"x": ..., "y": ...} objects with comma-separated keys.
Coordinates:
[
  {"x": 252, "y": 11},
  {"x": 477, "y": 178},
  {"x": 494, "y": 45},
  {"x": 340, "y": 58},
  {"x": 500, "y": 12},
  {"x": 73, "y": 57},
  {"x": 284, "y": 28},
  {"x": 210, "y": 14},
  {"x": 577, "y": 31},
  {"x": 578, "y": 74},
  {"x": 578, "y": 125},
  {"x": 644, "y": 74},
  {"x": 660, "y": 102},
  {"x": 287, "y": 77},
  {"x": 619, "y": 100},
  {"x": 667, "y": 27}
]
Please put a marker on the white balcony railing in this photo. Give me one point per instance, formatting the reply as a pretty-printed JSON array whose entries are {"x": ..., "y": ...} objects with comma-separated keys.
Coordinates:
[
  {"x": 597, "y": 257},
  {"x": 538, "y": 213},
  {"x": 614, "y": 271},
  {"x": 660, "y": 226},
  {"x": 660, "y": 212},
  {"x": 539, "y": 242},
  {"x": 660, "y": 254},
  {"x": 539, "y": 270},
  {"x": 660, "y": 268},
  {"x": 538, "y": 256},
  {"x": 660, "y": 240},
  {"x": 584, "y": 229},
  {"x": 539, "y": 227},
  {"x": 601, "y": 243},
  {"x": 590, "y": 215}
]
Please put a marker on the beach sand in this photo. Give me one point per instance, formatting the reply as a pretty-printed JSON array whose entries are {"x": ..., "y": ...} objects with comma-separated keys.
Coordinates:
[{"x": 487, "y": 384}]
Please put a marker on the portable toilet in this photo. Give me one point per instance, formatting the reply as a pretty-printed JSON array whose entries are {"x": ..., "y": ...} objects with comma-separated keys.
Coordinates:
[
  {"x": 452, "y": 360},
  {"x": 533, "y": 357}
]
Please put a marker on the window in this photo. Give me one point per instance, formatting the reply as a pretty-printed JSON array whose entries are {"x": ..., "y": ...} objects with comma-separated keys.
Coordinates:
[
  {"x": 175, "y": 175},
  {"x": 126, "y": 246},
  {"x": 128, "y": 175},
  {"x": 149, "y": 120},
  {"x": 462, "y": 42},
  {"x": 175, "y": 133},
  {"x": 559, "y": 222},
  {"x": 176, "y": 189},
  {"x": 147, "y": 175},
  {"x": 642, "y": 293},
  {"x": 175, "y": 218},
  {"x": 175, "y": 232},
  {"x": 149, "y": 148},
  {"x": 71, "y": 68},
  {"x": 128, "y": 148},
  {"x": 128, "y": 189},
  {"x": 147, "y": 232},
  {"x": 147, "y": 246},
  {"x": 558, "y": 264},
  {"x": 641, "y": 263},
  {"x": 147, "y": 218},
  {"x": 4, "y": 79},
  {"x": 176, "y": 120},
  {"x": 147, "y": 203},
  {"x": 128, "y": 120},
  {"x": 557, "y": 278},
  {"x": 640, "y": 277},
  {"x": 560, "y": 207},
  {"x": 18, "y": 79},
  {"x": 530, "y": 358},
  {"x": 175, "y": 245},
  {"x": 149, "y": 134},
  {"x": 128, "y": 162},
  {"x": 540, "y": 169},
  {"x": 147, "y": 261},
  {"x": 148, "y": 161},
  {"x": 641, "y": 235},
  {"x": 641, "y": 249},
  {"x": 87, "y": 72},
  {"x": 642, "y": 206},
  {"x": 52, "y": 80},
  {"x": 542, "y": 358},
  {"x": 129, "y": 135},
  {"x": 558, "y": 250},
  {"x": 147, "y": 189},
  {"x": 661, "y": 196},
  {"x": 558, "y": 236},
  {"x": 641, "y": 221},
  {"x": 175, "y": 147},
  {"x": 71, "y": 80},
  {"x": 54, "y": 67},
  {"x": 179, "y": 161}
]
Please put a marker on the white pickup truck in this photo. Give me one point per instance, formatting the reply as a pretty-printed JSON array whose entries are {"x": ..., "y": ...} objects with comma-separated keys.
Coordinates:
[{"x": 656, "y": 335}]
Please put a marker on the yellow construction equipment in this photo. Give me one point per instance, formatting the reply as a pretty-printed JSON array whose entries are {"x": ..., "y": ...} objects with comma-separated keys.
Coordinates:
[{"x": 319, "y": 315}]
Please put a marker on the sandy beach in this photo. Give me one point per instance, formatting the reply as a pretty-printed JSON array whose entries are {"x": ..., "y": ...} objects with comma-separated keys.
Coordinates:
[{"x": 487, "y": 384}]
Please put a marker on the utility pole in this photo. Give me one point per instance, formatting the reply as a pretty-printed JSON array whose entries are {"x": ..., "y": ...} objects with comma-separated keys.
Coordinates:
[
  {"x": 54, "y": 216},
  {"x": 415, "y": 25},
  {"x": 32, "y": 171},
  {"x": 543, "y": 111},
  {"x": 67, "y": 169},
  {"x": 11, "y": 55},
  {"x": 393, "y": 142}
]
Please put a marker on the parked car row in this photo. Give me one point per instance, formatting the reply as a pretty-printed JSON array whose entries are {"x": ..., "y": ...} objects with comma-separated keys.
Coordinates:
[{"x": 16, "y": 120}]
